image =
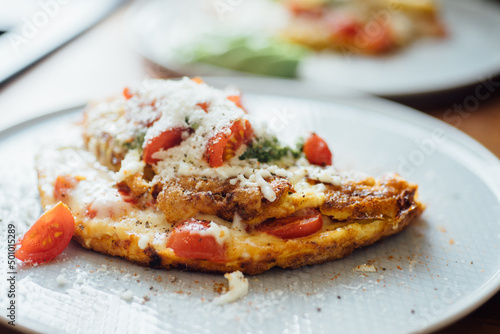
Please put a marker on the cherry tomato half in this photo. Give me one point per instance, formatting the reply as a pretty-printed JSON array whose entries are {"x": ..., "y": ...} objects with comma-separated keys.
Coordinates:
[
  {"x": 165, "y": 140},
  {"x": 203, "y": 105},
  {"x": 317, "y": 151},
  {"x": 198, "y": 80},
  {"x": 48, "y": 237},
  {"x": 378, "y": 41},
  {"x": 351, "y": 32},
  {"x": 223, "y": 145},
  {"x": 126, "y": 93},
  {"x": 187, "y": 243},
  {"x": 237, "y": 100},
  {"x": 292, "y": 227}
]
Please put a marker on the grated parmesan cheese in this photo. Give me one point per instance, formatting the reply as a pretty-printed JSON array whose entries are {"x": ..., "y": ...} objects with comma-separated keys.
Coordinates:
[
  {"x": 238, "y": 288},
  {"x": 127, "y": 295},
  {"x": 61, "y": 280},
  {"x": 178, "y": 103},
  {"x": 220, "y": 232}
]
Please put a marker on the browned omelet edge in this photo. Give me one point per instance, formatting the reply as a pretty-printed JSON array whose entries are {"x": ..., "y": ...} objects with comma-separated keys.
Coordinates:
[
  {"x": 266, "y": 253},
  {"x": 251, "y": 254}
]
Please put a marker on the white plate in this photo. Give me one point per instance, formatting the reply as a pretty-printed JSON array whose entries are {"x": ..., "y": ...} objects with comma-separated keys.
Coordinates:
[
  {"x": 471, "y": 52},
  {"x": 436, "y": 271}
]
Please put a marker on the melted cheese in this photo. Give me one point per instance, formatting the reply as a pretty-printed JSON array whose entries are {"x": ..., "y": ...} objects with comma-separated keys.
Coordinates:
[
  {"x": 238, "y": 288},
  {"x": 220, "y": 232},
  {"x": 97, "y": 192},
  {"x": 238, "y": 227},
  {"x": 143, "y": 241},
  {"x": 132, "y": 164},
  {"x": 235, "y": 228},
  {"x": 99, "y": 196}
]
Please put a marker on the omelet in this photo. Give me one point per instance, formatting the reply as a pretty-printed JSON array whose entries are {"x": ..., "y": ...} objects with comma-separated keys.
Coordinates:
[
  {"x": 361, "y": 26},
  {"x": 176, "y": 174}
]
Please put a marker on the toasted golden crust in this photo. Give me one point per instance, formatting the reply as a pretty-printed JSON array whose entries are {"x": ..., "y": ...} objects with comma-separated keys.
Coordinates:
[
  {"x": 257, "y": 252},
  {"x": 187, "y": 196},
  {"x": 364, "y": 199},
  {"x": 369, "y": 199}
]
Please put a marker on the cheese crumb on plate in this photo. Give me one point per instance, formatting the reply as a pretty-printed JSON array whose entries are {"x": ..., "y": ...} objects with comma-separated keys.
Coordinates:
[
  {"x": 238, "y": 288},
  {"x": 366, "y": 268}
]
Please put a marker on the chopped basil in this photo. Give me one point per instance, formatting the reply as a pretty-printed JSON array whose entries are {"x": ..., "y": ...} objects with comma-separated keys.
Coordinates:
[
  {"x": 193, "y": 125},
  {"x": 137, "y": 140},
  {"x": 270, "y": 149}
]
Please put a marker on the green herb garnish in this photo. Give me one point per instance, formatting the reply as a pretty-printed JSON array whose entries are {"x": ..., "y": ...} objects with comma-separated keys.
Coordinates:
[
  {"x": 137, "y": 140},
  {"x": 270, "y": 149},
  {"x": 193, "y": 125}
]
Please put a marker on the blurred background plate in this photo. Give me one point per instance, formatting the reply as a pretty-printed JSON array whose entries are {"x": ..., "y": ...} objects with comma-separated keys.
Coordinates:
[
  {"x": 31, "y": 30},
  {"x": 436, "y": 271},
  {"x": 468, "y": 55}
]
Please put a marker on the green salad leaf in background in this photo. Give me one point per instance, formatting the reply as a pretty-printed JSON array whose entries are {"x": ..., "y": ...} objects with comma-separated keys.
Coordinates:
[{"x": 259, "y": 55}]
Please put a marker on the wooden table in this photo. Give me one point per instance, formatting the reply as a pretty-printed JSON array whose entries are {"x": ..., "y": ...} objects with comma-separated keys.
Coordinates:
[{"x": 101, "y": 62}]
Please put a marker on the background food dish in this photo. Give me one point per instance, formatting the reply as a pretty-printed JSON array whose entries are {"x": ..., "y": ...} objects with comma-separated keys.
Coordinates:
[
  {"x": 469, "y": 53},
  {"x": 455, "y": 239},
  {"x": 363, "y": 27}
]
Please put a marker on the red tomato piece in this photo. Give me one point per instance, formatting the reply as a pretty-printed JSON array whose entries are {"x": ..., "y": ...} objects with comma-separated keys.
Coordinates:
[
  {"x": 48, "y": 237},
  {"x": 91, "y": 213},
  {"x": 187, "y": 243},
  {"x": 317, "y": 151},
  {"x": 373, "y": 37},
  {"x": 198, "y": 80},
  {"x": 378, "y": 41},
  {"x": 237, "y": 100},
  {"x": 126, "y": 93},
  {"x": 165, "y": 140},
  {"x": 292, "y": 227},
  {"x": 152, "y": 120},
  {"x": 203, "y": 105},
  {"x": 126, "y": 194},
  {"x": 63, "y": 186},
  {"x": 304, "y": 10},
  {"x": 344, "y": 28},
  {"x": 224, "y": 144}
]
